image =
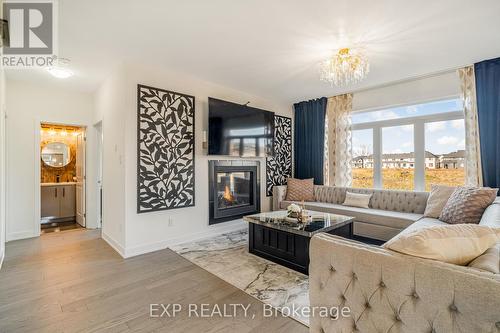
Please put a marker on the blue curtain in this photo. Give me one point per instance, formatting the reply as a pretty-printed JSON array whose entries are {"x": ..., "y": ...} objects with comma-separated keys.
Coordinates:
[
  {"x": 310, "y": 139},
  {"x": 488, "y": 109}
]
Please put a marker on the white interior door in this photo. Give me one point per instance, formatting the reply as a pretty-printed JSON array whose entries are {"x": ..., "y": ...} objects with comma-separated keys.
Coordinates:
[{"x": 80, "y": 179}]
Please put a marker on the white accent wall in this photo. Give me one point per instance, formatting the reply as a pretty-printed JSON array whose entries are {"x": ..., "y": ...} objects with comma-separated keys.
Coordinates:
[
  {"x": 28, "y": 104},
  {"x": 116, "y": 105}
]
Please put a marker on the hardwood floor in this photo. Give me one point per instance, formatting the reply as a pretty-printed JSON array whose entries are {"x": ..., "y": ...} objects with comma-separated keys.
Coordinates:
[{"x": 74, "y": 282}]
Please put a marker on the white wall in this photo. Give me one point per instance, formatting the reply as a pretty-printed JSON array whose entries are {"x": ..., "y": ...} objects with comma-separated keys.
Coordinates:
[
  {"x": 151, "y": 231},
  {"x": 408, "y": 92},
  {"x": 110, "y": 106},
  {"x": 3, "y": 147},
  {"x": 27, "y": 105}
]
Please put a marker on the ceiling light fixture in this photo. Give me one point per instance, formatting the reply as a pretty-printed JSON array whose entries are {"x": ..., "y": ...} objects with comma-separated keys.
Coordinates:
[
  {"x": 344, "y": 68},
  {"x": 60, "y": 68}
]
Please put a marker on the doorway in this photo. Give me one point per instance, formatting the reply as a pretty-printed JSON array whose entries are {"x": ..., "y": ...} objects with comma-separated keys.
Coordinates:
[{"x": 62, "y": 177}]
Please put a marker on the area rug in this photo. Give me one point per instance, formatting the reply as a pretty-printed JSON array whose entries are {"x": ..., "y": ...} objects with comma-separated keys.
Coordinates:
[{"x": 227, "y": 257}]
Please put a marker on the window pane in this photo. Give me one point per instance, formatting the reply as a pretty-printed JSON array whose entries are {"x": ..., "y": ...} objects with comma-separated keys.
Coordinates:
[
  {"x": 362, "y": 162},
  {"x": 407, "y": 111},
  {"x": 398, "y": 157},
  {"x": 445, "y": 154}
]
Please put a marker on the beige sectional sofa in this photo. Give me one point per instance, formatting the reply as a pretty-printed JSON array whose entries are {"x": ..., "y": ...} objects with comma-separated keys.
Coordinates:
[
  {"x": 388, "y": 291},
  {"x": 390, "y": 211}
]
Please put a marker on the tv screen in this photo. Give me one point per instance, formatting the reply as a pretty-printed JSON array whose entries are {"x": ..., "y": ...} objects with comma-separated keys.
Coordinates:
[{"x": 239, "y": 130}]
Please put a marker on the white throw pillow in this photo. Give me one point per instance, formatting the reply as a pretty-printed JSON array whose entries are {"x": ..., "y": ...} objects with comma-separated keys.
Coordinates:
[
  {"x": 437, "y": 200},
  {"x": 455, "y": 244},
  {"x": 357, "y": 200}
]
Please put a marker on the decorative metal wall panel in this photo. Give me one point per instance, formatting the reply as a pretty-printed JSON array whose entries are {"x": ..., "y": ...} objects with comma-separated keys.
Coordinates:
[
  {"x": 279, "y": 167},
  {"x": 165, "y": 150}
]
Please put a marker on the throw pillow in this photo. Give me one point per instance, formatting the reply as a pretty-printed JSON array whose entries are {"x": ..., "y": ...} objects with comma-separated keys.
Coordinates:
[
  {"x": 488, "y": 261},
  {"x": 357, "y": 200},
  {"x": 437, "y": 200},
  {"x": 300, "y": 189},
  {"x": 455, "y": 244},
  {"x": 467, "y": 204}
]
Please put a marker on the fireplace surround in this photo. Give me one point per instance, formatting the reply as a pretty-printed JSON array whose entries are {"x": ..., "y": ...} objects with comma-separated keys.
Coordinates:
[{"x": 234, "y": 189}]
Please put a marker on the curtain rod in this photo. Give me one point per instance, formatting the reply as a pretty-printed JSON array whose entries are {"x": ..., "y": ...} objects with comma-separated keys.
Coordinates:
[{"x": 409, "y": 79}]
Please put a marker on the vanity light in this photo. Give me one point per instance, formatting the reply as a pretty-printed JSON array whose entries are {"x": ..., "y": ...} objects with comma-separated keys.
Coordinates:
[
  {"x": 64, "y": 133},
  {"x": 52, "y": 132},
  {"x": 75, "y": 133}
]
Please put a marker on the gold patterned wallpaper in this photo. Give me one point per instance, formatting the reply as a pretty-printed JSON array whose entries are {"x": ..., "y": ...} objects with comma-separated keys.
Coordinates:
[{"x": 64, "y": 134}]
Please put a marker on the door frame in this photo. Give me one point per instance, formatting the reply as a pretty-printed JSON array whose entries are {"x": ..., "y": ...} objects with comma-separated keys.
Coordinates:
[
  {"x": 38, "y": 169},
  {"x": 98, "y": 180}
]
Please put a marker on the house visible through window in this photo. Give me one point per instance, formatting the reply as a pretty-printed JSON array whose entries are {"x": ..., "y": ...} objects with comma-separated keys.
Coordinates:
[{"x": 409, "y": 147}]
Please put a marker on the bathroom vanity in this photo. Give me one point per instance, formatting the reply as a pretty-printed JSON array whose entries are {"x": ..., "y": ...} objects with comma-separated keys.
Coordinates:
[{"x": 58, "y": 202}]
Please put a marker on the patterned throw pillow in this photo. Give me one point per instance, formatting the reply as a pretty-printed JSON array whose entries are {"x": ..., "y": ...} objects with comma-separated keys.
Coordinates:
[
  {"x": 300, "y": 189},
  {"x": 467, "y": 204}
]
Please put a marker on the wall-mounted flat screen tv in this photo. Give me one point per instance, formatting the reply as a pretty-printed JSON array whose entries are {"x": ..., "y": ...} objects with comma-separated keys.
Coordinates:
[{"x": 239, "y": 130}]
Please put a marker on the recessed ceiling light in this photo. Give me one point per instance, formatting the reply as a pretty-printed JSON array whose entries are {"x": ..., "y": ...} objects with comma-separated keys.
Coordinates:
[{"x": 60, "y": 69}]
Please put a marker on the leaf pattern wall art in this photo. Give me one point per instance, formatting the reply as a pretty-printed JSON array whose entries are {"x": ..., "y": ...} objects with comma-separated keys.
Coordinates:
[
  {"x": 165, "y": 149},
  {"x": 279, "y": 167}
]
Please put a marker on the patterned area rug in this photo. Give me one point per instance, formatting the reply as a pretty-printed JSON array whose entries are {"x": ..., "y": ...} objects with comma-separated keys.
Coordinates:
[{"x": 227, "y": 257}]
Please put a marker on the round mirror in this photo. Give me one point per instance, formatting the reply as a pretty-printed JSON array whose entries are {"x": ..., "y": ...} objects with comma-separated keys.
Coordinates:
[{"x": 56, "y": 154}]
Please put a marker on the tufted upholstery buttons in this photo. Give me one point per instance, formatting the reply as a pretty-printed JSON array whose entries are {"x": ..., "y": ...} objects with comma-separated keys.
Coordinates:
[
  {"x": 321, "y": 330},
  {"x": 367, "y": 305},
  {"x": 453, "y": 308},
  {"x": 342, "y": 297},
  {"x": 397, "y": 318},
  {"x": 382, "y": 284},
  {"x": 354, "y": 276},
  {"x": 415, "y": 295},
  {"x": 332, "y": 269}
]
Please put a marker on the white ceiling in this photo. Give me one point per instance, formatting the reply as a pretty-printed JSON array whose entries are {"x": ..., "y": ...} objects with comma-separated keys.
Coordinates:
[{"x": 272, "y": 48}]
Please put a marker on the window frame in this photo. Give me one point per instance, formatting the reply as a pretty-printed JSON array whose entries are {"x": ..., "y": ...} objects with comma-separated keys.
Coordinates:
[{"x": 418, "y": 123}]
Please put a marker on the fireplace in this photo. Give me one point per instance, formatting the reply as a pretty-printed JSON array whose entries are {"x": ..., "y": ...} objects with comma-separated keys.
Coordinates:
[{"x": 234, "y": 189}]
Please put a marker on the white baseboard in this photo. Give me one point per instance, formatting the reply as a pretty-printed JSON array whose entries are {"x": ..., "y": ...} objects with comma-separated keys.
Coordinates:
[
  {"x": 114, "y": 244},
  {"x": 207, "y": 233},
  {"x": 21, "y": 235}
]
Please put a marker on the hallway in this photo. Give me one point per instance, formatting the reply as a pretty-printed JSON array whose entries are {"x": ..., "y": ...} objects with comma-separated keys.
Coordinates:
[{"x": 74, "y": 282}]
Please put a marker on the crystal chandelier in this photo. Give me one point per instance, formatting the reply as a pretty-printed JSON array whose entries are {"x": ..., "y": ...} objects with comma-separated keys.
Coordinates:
[{"x": 344, "y": 68}]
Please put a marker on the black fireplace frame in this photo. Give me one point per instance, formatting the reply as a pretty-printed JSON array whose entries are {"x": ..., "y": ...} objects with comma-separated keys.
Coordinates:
[{"x": 218, "y": 216}]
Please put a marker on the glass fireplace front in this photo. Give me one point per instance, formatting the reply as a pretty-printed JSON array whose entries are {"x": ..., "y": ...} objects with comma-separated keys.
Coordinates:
[{"x": 234, "y": 189}]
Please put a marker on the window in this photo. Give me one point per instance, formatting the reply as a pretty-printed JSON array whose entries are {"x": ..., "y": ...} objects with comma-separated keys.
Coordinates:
[
  {"x": 409, "y": 147},
  {"x": 445, "y": 153},
  {"x": 397, "y": 145},
  {"x": 362, "y": 163}
]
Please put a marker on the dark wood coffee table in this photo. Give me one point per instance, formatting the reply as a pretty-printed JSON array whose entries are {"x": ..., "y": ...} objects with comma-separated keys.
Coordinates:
[{"x": 276, "y": 237}]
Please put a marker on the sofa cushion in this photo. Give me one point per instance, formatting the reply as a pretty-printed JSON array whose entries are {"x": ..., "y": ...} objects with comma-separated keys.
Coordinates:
[
  {"x": 300, "y": 189},
  {"x": 376, "y": 216},
  {"x": 488, "y": 261},
  {"x": 400, "y": 201},
  {"x": 425, "y": 222},
  {"x": 467, "y": 204},
  {"x": 491, "y": 216},
  {"x": 455, "y": 244},
  {"x": 357, "y": 200},
  {"x": 437, "y": 199}
]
